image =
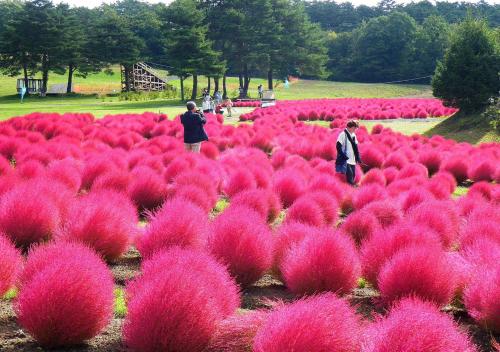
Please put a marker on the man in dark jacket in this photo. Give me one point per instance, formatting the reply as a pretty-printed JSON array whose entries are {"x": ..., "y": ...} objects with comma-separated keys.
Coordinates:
[
  {"x": 347, "y": 150},
  {"x": 194, "y": 133}
]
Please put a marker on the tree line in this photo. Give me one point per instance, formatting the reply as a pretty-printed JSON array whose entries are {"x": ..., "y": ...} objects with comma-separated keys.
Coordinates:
[
  {"x": 189, "y": 37},
  {"x": 244, "y": 38}
]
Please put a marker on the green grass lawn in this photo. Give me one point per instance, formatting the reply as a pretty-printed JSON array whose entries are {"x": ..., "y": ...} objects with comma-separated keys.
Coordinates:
[
  {"x": 404, "y": 126},
  {"x": 102, "y": 83}
]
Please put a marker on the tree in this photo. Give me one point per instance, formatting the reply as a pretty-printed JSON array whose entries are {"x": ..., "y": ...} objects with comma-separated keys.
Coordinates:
[
  {"x": 112, "y": 42},
  {"x": 187, "y": 48},
  {"x": 468, "y": 75},
  {"x": 382, "y": 49},
  {"x": 431, "y": 41}
]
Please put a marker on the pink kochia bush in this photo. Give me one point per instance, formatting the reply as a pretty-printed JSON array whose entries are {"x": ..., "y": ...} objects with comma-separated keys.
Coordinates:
[
  {"x": 236, "y": 333},
  {"x": 360, "y": 225},
  {"x": 321, "y": 323},
  {"x": 327, "y": 261},
  {"x": 383, "y": 244},
  {"x": 178, "y": 301},
  {"x": 416, "y": 326},
  {"x": 482, "y": 296},
  {"x": 28, "y": 215},
  {"x": 10, "y": 264},
  {"x": 104, "y": 220},
  {"x": 241, "y": 239},
  {"x": 178, "y": 223},
  {"x": 66, "y": 295},
  {"x": 419, "y": 271}
]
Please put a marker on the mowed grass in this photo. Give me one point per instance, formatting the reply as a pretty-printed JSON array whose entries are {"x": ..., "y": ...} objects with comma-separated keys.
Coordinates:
[
  {"x": 92, "y": 90},
  {"x": 404, "y": 126}
]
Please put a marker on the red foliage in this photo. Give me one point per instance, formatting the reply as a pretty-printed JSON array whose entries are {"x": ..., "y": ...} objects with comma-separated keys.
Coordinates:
[
  {"x": 367, "y": 194},
  {"x": 360, "y": 225},
  {"x": 331, "y": 325},
  {"x": 65, "y": 300},
  {"x": 439, "y": 216},
  {"x": 179, "y": 222},
  {"x": 374, "y": 176},
  {"x": 387, "y": 212},
  {"x": 289, "y": 185},
  {"x": 456, "y": 166},
  {"x": 10, "y": 264},
  {"x": 307, "y": 211},
  {"x": 413, "y": 325},
  {"x": 382, "y": 245},
  {"x": 103, "y": 220},
  {"x": 236, "y": 333},
  {"x": 327, "y": 261},
  {"x": 147, "y": 189},
  {"x": 419, "y": 271},
  {"x": 482, "y": 170},
  {"x": 431, "y": 159},
  {"x": 200, "y": 295},
  {"x": 241, "y": 239},
  {"x": 239, "y": 181},
  {"x": 28, "y": 214}
]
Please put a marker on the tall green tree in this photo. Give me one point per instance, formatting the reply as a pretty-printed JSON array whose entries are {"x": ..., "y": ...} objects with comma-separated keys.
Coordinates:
[
  {"x": 187, "y": 48},
  {"x": 431, "y": 40},
  {"x": 382, "y": 50},
  {"x": 113, "y": 42},
  {"x": 468, "y": 75}
]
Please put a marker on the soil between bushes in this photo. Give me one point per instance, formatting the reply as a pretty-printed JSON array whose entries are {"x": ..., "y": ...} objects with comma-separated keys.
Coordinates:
[{"x": 262, "y": 295}]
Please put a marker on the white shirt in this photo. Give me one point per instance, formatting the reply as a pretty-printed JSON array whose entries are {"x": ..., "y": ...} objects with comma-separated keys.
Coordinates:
[{"x": 342, "y": 138}]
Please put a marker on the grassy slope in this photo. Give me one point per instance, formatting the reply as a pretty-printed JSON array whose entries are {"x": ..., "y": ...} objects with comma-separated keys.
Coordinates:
[
  {"x": 465, "y": 128},
  {"x": 101, "y": 83}
]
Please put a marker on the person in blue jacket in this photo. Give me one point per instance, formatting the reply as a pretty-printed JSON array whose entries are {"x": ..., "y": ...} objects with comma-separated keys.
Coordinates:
[
  {"x": 194, "y": 133},
  {"x": 348, "y": 151}
]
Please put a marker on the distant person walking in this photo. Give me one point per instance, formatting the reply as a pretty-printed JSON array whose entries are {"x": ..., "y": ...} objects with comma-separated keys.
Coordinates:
[
  {"x": 217, "y": 97},
  {"x": 229, "y": 107},
  {"x": 261, "y": 91},
  {"x": 348, "y": 152},
  {"x": 194, "y": 133}
]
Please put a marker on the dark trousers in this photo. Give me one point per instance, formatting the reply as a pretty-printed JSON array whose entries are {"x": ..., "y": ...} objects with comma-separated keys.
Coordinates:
[{"x": 350, "y": 174}]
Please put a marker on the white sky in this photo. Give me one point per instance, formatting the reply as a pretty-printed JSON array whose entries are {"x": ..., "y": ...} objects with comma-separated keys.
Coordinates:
[{"x": 94, "y": 3}]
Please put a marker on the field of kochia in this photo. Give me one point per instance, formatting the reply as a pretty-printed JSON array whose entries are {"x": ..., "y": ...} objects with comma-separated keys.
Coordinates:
[{"x": 254, "y": 245}]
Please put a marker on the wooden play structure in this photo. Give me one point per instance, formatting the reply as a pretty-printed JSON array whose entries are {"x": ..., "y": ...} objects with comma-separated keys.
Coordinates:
[{"x": 142, "y": 77}]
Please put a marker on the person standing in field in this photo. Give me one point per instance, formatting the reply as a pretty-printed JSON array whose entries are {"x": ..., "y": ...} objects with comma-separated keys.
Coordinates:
[
  {"x": 229, "y": 107},
  {"x": 347, "y": 151},
  {"x": 194, "y": 132},
  {"x": 261, "y": 91}
]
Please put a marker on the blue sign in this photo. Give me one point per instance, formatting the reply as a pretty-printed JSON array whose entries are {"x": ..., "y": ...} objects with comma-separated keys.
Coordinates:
[{"x": 287, "y": 84}]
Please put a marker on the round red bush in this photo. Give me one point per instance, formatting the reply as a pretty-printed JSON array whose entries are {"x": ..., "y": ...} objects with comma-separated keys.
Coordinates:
[
  {"x": 367, "y": 194},
  {"x": 103, "y": 220},
  {"x": 10, "y": 264},
  {"x": 418, "y": 271},
  {"x": 456, "y": 166},
  {"x": 28, "y": 215},
  {"x": 289, "y": 185},
  {"x": 307, "y": 211},
  {"x": 240, "y": 181},
  {"x": 482, "y": 296},
  {"x": 65, "y": 301},
  {"x": 387, "y": 212},
  {"x": 199, "y": 298},
  {"x": 327, "y": 261},
  {"x": 374, "y": 176},
  {"x": 236, "y": 333},
  {"x": 147, "y": 189},
  {"x": 179, "y": 222},
  {"x": 431, "y": 159},
  {"x": 414, "y": 325},
  {"x": 241, "y": 239},
  {"x": 383, "y": 244},
  {"x": 360, "y": 225},
  {"x": 482, "y": 170},
  {"x": 440, "y": 216},
  {"x": 331, "y": 325}
]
